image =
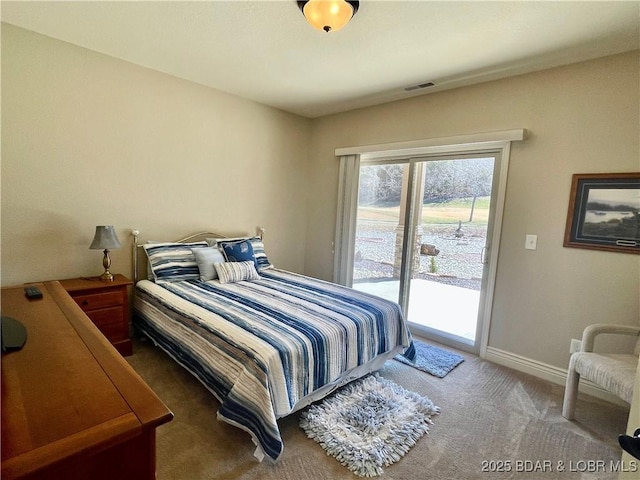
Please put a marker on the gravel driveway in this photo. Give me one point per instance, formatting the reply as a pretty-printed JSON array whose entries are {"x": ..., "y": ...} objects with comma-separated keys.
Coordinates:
[{"x": 457, "y": 263}]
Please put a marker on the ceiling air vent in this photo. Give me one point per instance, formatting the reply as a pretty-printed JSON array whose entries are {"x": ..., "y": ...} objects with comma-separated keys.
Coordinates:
[{"x": 419, "y": 86}]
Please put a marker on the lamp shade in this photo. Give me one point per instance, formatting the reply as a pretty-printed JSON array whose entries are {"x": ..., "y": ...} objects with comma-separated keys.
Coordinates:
[
  {"x": 328, "y": 15},
  {"x": 105, "y": 238}
]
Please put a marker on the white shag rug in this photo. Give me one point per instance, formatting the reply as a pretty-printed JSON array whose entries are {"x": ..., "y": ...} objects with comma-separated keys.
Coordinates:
[{"x": 369, "y": 424}]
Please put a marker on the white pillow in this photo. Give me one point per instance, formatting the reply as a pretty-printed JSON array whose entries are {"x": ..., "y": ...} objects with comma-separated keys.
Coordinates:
[
  {"x": 231, "y": 272},
  {"x": 205, "y": 258}
]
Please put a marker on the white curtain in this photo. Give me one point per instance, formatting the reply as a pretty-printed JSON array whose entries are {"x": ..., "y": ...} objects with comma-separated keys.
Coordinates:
[{"x": 345, "y": 220}]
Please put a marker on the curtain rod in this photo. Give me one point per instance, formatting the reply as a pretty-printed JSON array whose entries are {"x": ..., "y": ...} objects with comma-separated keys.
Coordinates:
[{"x": 406, "y": 147}]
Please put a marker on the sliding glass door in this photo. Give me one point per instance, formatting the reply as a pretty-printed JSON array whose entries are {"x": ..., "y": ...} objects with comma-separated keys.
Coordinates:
[
  {"x": 379, "y": 223},
  {"x": 422, "y": 238}
]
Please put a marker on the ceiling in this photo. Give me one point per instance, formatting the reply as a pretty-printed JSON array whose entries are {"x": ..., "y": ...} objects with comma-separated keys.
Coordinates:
[{"x": 265, "y": 51}]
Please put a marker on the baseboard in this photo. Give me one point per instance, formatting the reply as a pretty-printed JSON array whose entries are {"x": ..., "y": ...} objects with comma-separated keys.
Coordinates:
[{"x": 546, "y": 372}]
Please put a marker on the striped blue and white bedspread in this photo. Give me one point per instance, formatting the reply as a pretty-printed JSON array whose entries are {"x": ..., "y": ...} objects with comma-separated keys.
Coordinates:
[{"x": 263, "y": 347}]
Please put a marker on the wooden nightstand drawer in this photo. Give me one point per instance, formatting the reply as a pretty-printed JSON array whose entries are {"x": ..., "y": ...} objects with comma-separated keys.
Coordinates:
[
  {"x": 111, "y": 323},
  {"x": 96, "y": 301}
]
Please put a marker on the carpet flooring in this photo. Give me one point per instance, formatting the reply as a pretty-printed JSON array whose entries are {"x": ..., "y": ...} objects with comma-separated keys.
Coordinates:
[{"x": 491, "y": 417}]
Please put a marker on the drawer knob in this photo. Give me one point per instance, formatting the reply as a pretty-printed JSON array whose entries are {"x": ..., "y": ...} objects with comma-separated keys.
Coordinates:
[{"x": 85, "y": 302}]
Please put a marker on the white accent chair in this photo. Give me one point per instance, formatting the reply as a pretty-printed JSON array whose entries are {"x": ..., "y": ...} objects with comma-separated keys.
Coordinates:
[{"x": 615, "y": 373}]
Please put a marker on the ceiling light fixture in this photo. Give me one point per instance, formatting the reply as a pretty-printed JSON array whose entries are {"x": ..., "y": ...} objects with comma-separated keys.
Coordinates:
[{"x": 328, "y": 15}]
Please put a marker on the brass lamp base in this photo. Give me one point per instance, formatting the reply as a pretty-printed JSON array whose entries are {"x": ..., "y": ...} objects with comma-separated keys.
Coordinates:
[
  {"x": 106, "y": 263},
  {"x": 106, "y": 277}
]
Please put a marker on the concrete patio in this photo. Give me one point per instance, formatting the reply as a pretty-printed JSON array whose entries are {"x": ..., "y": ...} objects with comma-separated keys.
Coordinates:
[{"x": 447, "y": 308}]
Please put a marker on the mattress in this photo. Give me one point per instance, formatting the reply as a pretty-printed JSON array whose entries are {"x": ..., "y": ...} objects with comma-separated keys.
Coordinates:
[{"x": 266, "y": 348}]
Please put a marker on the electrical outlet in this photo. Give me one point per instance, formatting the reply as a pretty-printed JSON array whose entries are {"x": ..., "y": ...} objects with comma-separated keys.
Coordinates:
[{"x": 576, "y": 345}]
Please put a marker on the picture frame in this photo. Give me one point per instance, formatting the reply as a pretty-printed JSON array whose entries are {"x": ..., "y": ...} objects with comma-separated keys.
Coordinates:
[{"x": 604, "y": 212}]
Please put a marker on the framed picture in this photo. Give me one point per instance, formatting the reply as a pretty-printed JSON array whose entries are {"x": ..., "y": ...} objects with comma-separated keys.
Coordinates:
[{"x": 604, "y": 212}]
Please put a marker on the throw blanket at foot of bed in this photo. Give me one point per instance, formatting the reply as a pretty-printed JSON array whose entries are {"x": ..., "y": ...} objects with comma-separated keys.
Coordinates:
[{"x": 269, "y": 347}]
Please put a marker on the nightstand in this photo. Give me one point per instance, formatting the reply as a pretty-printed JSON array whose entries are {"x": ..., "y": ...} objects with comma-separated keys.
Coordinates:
[{"x": 107, "y": 305}]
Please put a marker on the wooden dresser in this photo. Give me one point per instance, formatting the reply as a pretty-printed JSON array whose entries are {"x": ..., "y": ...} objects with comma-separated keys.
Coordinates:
[
  {"x": 72, "y": 407},
  {"x": 107, "y": 305}
]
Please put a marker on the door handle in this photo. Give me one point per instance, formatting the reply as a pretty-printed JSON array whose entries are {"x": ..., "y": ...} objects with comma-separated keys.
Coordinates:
[{"x": 483, "y": 255}]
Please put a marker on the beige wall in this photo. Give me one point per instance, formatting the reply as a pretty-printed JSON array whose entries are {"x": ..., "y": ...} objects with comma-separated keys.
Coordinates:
[
  {"x": 88, "y": 139},
  {"x": 581, "y": 118}
]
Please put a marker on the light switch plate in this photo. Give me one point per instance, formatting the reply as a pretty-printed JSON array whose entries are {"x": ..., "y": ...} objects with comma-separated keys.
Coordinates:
[{"x": 531, "y": 242}]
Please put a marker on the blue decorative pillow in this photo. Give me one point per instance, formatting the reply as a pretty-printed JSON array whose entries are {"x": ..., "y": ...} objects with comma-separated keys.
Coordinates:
[
  {"x": 238, "y": 251},
  {"x": 231, "y": 272},
  {"x": 259, "y": 255},
  {"x": 172, "y": 262}
]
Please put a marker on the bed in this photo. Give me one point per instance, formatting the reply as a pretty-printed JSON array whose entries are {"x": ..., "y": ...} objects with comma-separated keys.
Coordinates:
[{"x": 265, "y": 341}]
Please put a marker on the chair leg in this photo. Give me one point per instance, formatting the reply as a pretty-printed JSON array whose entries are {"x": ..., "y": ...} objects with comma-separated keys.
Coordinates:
[{"x": 570, "y": 394}]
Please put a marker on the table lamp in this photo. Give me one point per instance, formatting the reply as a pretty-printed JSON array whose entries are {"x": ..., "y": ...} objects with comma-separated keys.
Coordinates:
[{"x": 105, "y": 239}]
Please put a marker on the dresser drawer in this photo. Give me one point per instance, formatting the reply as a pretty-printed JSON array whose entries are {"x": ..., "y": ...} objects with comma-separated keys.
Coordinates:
[{"x": 96, "y": 301}]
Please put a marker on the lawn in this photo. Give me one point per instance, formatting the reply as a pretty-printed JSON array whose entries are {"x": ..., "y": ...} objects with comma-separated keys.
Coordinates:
[{"x": 433, "y": 213}]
